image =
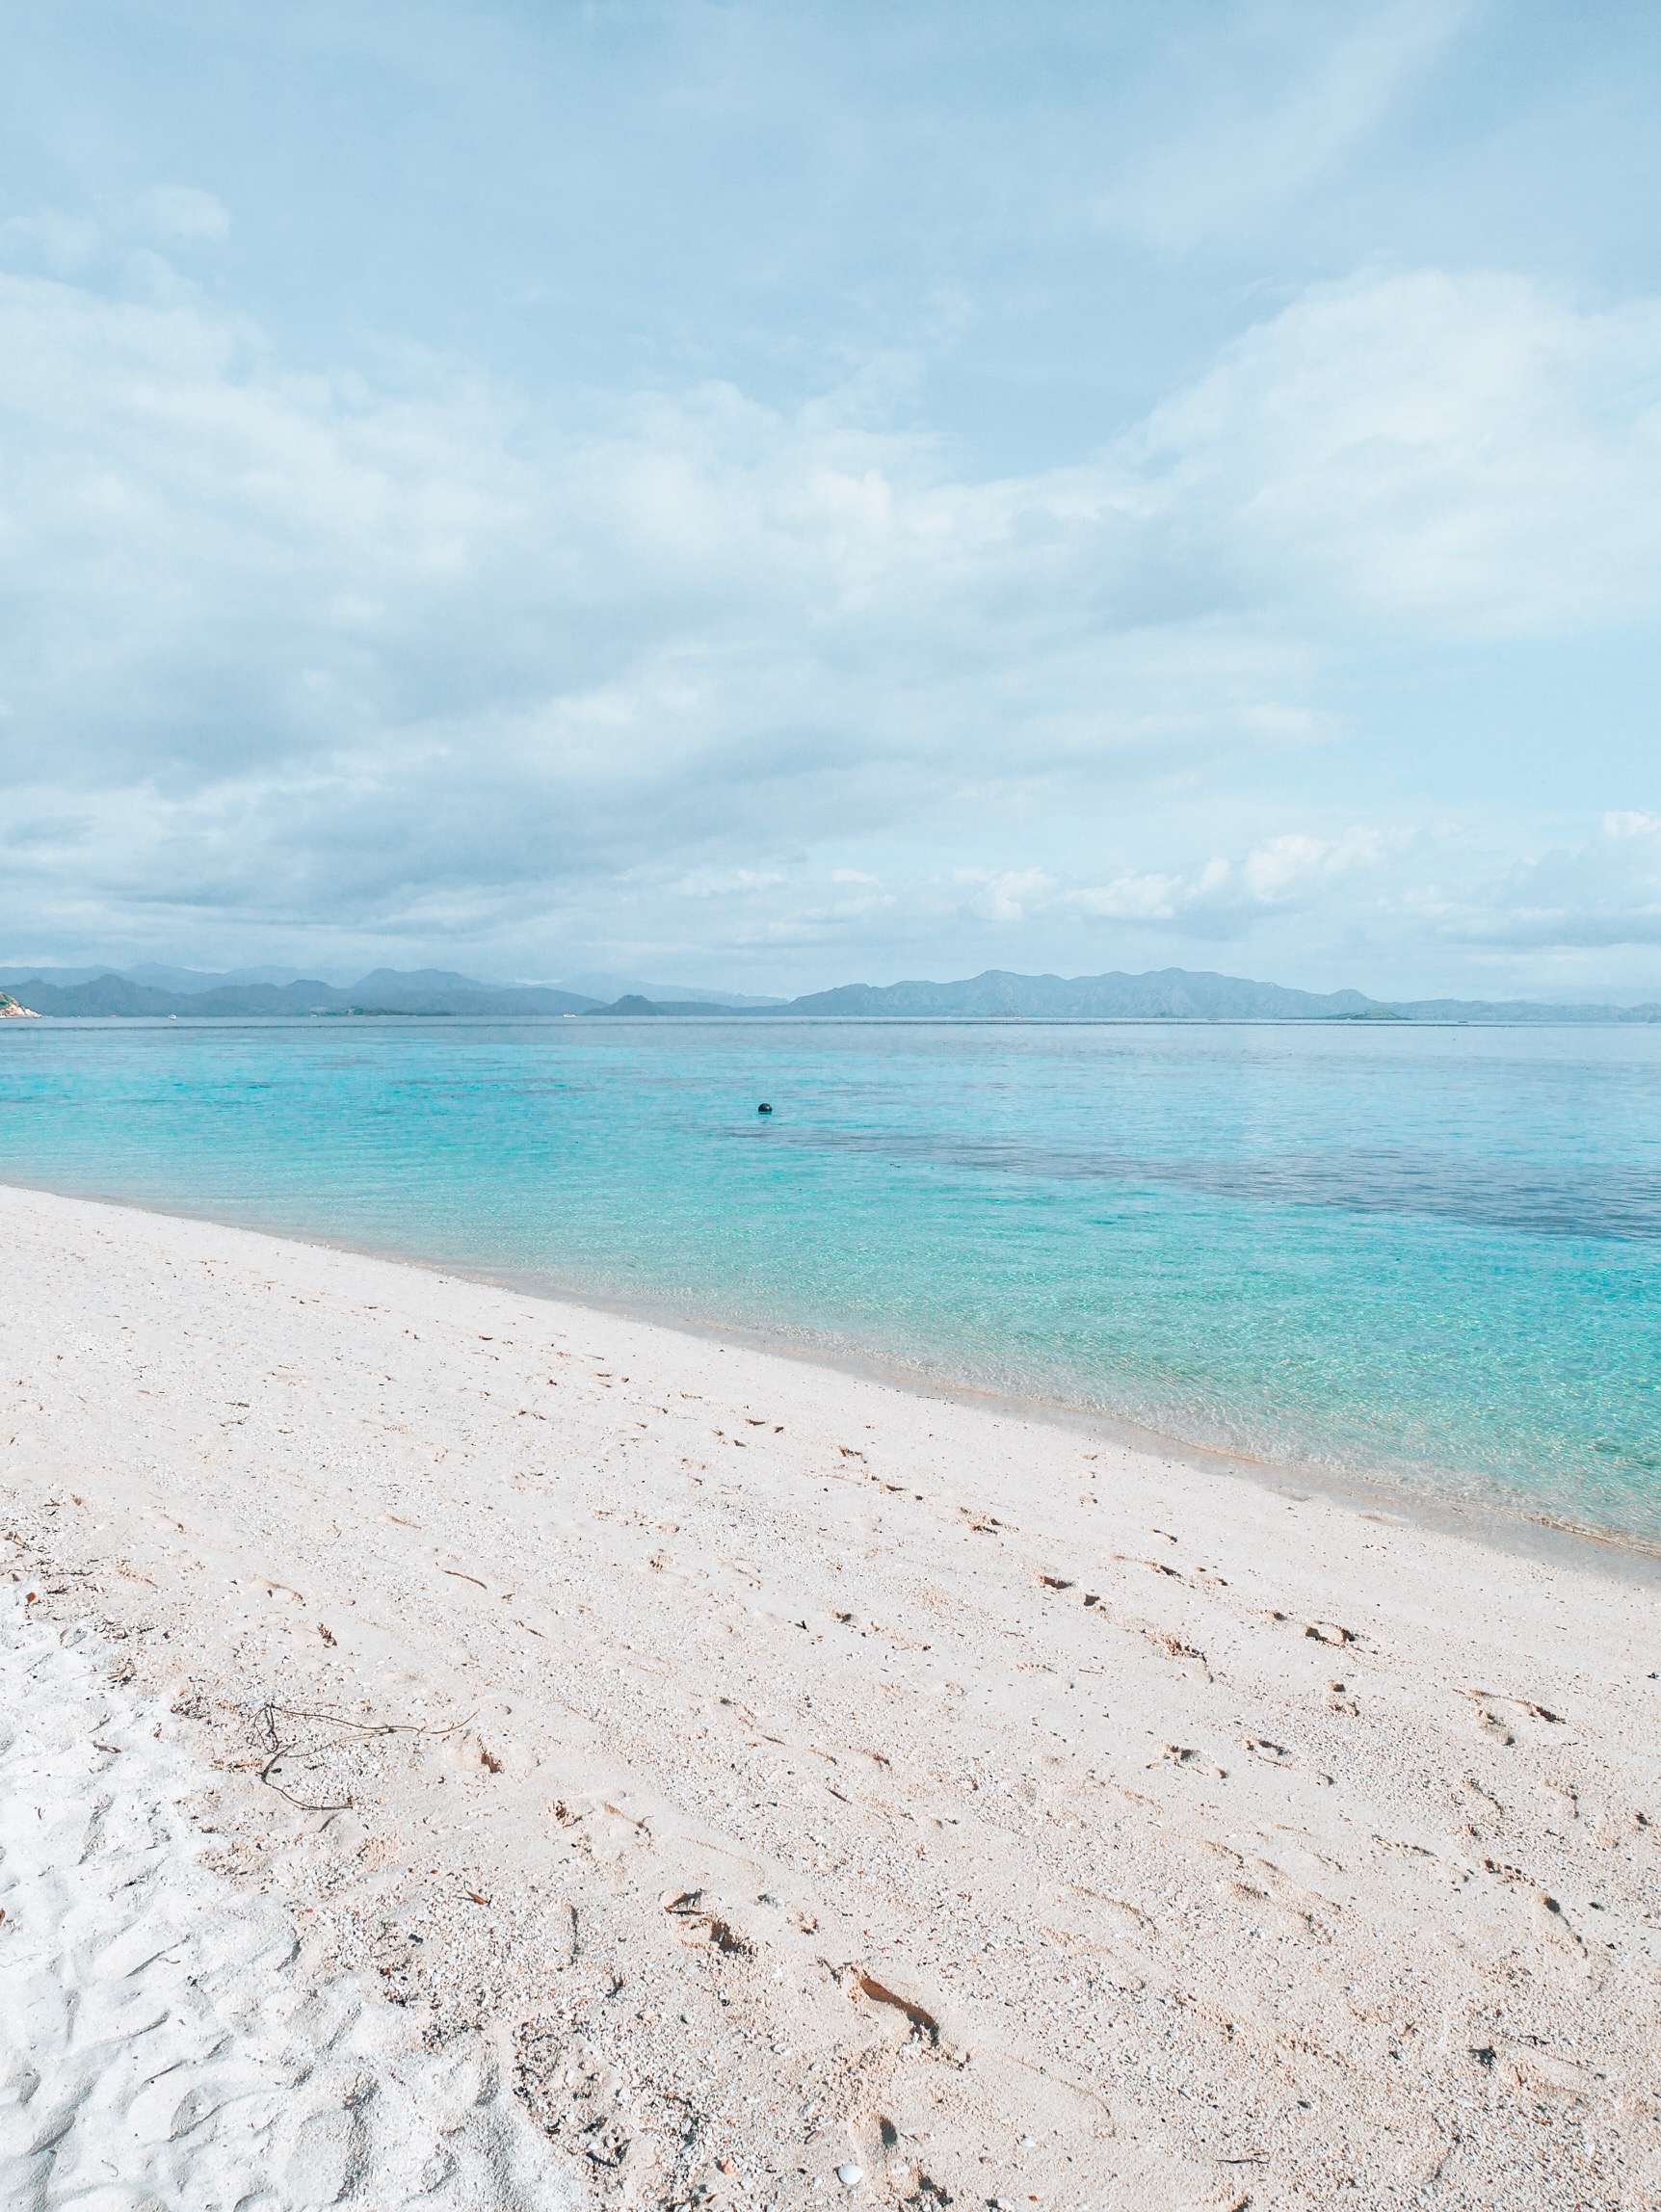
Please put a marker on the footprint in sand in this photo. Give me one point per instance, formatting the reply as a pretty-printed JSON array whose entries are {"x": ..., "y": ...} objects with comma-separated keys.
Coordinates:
[
  {"x": 1332, "y": 1632},
  {"x": 1488, "y": 1702},
  {"x": 1261, "y": 1747},
  {"x": 1189, "y": 1760},
  {"x": 701, "y": 1924},
  {"x": 1174, "y": 1647}
]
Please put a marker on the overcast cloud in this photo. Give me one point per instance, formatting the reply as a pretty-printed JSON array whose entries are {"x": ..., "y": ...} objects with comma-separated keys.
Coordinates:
[{"x": 1154, "y": 484}]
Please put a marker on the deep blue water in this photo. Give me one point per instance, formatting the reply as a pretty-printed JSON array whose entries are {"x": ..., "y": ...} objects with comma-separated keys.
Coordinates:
[{"x": 1428, "y": 1255}]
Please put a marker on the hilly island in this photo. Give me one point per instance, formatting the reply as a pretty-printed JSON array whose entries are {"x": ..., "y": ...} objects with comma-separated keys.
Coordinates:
[{"x": 1162, "y": 994}]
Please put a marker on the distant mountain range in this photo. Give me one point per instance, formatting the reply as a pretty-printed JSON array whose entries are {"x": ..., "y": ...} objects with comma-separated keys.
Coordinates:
[
  {"x": 156, "y": 990},
  {"x": 389, "y": 992},
  {"x": 1168, "y": 994},
  {"x": 1165, "y": 995},
  {"x": 1177, "y": 994}
]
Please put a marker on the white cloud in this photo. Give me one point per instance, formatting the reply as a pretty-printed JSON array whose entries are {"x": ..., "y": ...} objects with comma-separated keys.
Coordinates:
[
  {"x": 343, "y": 652},
  {"x": 1438, "y": 885},
  {"x": 1463, "y": 454},
  {"x": 1150, "y": 897},
  {"x": 727, "y": 882},
  {"x": 1005, "y": 894},
  {"x": 182, "y": 214},
  {"x": 1605, "y": 892},
  {"x": 286, "y": 652},
  {"x": 1223, "y": 898}
]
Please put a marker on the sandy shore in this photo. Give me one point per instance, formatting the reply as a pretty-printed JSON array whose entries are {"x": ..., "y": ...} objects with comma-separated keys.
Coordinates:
[{"x": 729, "y": 1773}]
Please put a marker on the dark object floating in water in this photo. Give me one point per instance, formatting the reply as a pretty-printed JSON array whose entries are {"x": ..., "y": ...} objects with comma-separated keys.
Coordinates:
[{"x": 764, "y": 1108}]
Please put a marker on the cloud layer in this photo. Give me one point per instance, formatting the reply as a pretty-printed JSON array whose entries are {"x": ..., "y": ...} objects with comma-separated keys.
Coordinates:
[{"x": 421, "y": 654}]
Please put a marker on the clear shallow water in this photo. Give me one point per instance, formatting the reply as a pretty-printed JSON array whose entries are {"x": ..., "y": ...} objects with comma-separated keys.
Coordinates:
[{"x": 1432, "y": 1254}]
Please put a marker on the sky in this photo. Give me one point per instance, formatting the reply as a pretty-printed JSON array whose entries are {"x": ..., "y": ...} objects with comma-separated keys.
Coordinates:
[{"x": 779, "y": 494}]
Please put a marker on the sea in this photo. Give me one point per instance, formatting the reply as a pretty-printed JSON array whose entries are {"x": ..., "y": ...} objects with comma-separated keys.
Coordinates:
[{"x": 1423, "y": 1260}]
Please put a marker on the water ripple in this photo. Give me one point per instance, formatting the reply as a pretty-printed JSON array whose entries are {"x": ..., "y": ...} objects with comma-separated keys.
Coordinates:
[{"x": 1615, "y": 1201}]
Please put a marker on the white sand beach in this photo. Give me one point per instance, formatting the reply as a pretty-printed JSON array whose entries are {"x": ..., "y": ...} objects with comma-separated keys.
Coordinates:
[{"x": 471, "y": 1750}]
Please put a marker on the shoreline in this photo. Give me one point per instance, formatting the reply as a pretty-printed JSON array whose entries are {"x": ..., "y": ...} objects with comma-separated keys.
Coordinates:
[
  {"x": 773, "y": 1774},
  {"x": 1175, "y": 1022},
  {"x": 1512, "y": 1529}
]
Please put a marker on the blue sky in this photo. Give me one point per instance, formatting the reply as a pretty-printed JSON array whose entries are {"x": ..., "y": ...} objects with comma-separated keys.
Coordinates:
[{"x": 785, "y": 493}]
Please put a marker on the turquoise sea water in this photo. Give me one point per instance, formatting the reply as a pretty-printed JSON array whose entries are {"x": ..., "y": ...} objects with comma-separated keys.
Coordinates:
[{"x": 1430, "y": 1255}]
